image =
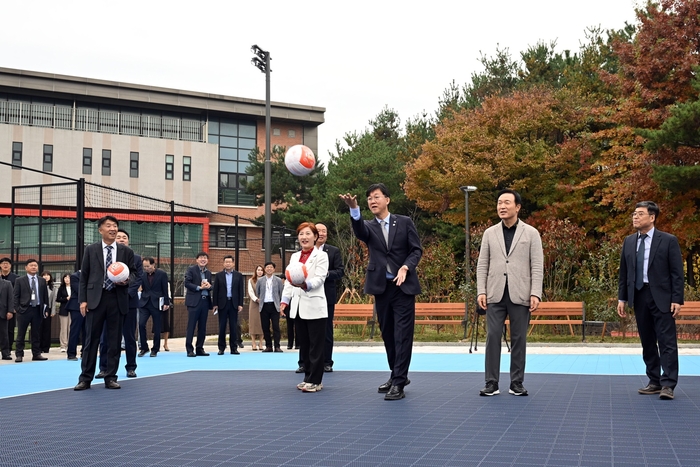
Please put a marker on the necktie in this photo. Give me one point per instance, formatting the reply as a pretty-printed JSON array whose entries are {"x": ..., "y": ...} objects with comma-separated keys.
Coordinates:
[
  {"x": 384, "y": 224},
  {"x": 639, "y": 268},
  {"x": 35, "y": 294},
  {"x": 108, "y": 284}
]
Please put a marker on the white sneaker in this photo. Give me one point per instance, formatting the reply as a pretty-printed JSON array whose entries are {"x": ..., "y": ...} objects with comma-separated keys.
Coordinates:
[
  {"x": 301, "y": 385},
  {"x": 310, "y": 387},
  {"x": 63, "y": 350}
]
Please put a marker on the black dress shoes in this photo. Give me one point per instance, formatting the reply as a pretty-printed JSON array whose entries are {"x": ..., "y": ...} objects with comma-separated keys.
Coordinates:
[
  {"x": 235, "y": 352},
  {"x": 81, "y": 386},
  {"x": 202, "y": 353},
  {"x": 19, "y": 360},
  {"x": 39, "y": 358},
  {"x": 74, "y": 359},
  {"x": 300, "y": 370},
  {"x": 142, "y": 353},
  {"x": 387, "y": 386},
  {"x": 101, "y": 375},
  {"x": 328, "y": 369},
  {"x": 394, "y": 394},
  {"x": 111, "y": 384},
  {"x": 220, "y": 352},
  {"x": 279, "y": 350},
  {"x": 131, "y": 374},
  {"x": 191, "y": 354},
  {"x": 154, "y": 353},
  {"x": 267, "y": 349},
  {"x": 7, "y": 357}
]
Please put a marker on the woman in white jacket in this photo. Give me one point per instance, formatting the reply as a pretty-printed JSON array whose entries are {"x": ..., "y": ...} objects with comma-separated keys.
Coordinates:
[{"x": 306, "y": 303}]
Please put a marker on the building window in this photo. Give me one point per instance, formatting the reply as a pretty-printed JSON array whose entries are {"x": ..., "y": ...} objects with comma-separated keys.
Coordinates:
[
  {"x": 275, "y": 132},
  {"x": 106, "y": 162},
  {"x": 225, "y": 237},
  {"x": 87, "y": 161},
  {"x": 134, "y": 165},
  {"x": 292, "y": 133},
  {"x": 237, "y": 138},
  {"x": 48, "y": 158},
  {"x": 16, "y": 154},
  {"x": 169, "y": 166},
  {"x": 186, "y": 168}
]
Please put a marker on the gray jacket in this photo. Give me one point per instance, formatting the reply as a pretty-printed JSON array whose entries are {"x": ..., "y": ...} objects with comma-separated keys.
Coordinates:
[{"x": 277, "y": 287}]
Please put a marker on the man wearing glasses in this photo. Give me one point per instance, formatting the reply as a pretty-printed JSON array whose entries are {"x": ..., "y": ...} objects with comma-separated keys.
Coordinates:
[{"x": 651, "y": 282}]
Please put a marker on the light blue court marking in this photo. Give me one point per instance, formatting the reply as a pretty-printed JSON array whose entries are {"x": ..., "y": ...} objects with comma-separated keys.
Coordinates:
[{"x": 33, "y": 377}]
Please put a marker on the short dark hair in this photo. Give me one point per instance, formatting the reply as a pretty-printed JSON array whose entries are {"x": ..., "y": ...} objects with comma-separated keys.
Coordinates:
[
  {"x": 652, "y": 208},
  {"x": 202, "y": 253},
  {"x": 31, "y": 260},
  {"x": 228, "y": 256},
  {"x": 150, "y": 259},
  {"x": 270, "y": 262},
  {"x": 104, "y": 219},
  {"x": 6, "y": 260},
  {"x": 124, "y": 232},
  {"x": 518, "y": 199},
  {"x": 378, "y": 186}
]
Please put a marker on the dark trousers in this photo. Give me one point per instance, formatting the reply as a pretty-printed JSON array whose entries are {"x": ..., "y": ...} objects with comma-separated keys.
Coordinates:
[
  {"x": 519, "y": 316},
  {"x": 156, "y": 318},
  {"x": 129, "y": 334},
  {"x": 290, "y": 332},
  {"x": 197, "y": 317},
  {"x": 76, "y": 333},
  {"x": 45, "y": 337},
  {"x": 31, "y": 316},
  {"x": 106, "y": 313},
  {"x": 396, "y": 313},
  {"x": 228, "y": 316},
  {"x": 328, "y": 349},
  {"x": 311, "y": 336},
  {"x": 11, "y": 329},
  {"x": 269, "y": 314},
  {"x": 656, "y": 326},
  {"x": 4, "y": 341}
]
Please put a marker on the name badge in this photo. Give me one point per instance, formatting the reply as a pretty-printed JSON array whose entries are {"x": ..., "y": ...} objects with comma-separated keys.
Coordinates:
[{"x": 33, "y": 296}]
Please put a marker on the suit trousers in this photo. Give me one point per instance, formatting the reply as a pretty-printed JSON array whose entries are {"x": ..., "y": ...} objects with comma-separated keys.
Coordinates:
[
  {"x": 654, "y": 327},
  {"x": 45, "y": 337},
  {"x": 129, "y": 334},
  {"x": 311, "y": 336},
  {"x": 156, "y": 322},
  {"x": 197, "y": 317},
  {"x": 396, "y": 313},
  {"x": 228, "y": 315},
  {"x": 4, "y": 341},
  {"x": 269, "y": 314},
  {"x": 11, "y": 329},
  {"x": 31, "y": 316},
  {"x": 328, "y": 348},
  {"x": 519, "y": 316},
  {"x": 290, "y": 332},
  {"x": 105, "y": 314},
  {"x": 76, "y": 333}
]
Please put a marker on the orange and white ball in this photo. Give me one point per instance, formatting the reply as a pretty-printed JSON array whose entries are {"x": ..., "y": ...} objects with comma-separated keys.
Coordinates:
[
  {"x": 296, "y": 273},
  {"x": 300, "y": 160},
  {"x": 118, "y": 272}
]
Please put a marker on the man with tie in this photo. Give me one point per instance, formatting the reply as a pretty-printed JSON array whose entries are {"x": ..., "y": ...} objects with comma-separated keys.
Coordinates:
[
  {"x": 154, "y": 301},
  {"x": 7, "y": 274},
  {"x": 198, "y": 303},
  {"x": 651, "y": 281},
  {"x": 336, "y": 271},
  {"x": 394, "y": 253},
  {"x": 7, "y": 307},
  {"x": 509, "y": 277},
  {"x": 31, "y": 298},
  {"x": 227, "y": 297},
  {"x": 102, "y": 302}
]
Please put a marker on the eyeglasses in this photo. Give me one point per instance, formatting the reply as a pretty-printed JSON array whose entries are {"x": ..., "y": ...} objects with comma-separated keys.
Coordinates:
[
  {"x": 639, "y": 214},
  {"x": 374, "y": 198}
]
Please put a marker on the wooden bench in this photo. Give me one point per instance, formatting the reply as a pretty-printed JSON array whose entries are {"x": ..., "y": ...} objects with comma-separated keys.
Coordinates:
[
  {"x": 439, "y": 314},
  {"x": 559, "y": 313},
  {"x": 689, "y": 316},
  {"x": 355, "y": 314}
]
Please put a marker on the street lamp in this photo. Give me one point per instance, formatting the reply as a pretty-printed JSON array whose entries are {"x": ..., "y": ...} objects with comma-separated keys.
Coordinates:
[
  {"x": 261, "y": 61},
  {"x": 467, "y": 251}
]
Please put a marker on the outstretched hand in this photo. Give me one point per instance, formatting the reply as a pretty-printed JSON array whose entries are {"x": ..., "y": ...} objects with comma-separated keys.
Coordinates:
[{"x": 350, "y": 200}]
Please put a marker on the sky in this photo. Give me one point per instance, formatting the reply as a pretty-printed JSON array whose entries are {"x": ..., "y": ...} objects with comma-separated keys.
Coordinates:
[{"x": 351, "y": 58}]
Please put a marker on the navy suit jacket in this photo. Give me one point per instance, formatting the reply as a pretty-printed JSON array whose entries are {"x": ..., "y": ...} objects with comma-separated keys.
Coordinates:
[
  {"x": 151, "y": 294},
  {"x": 336, "y": 271},
  {"x": 193, "y": 279},
  {"x": 664, "y": 271},
  {"x": 7, "y": 302},
  {"x": 404, "y": 249},
  {"x": 92, "y": 275},
  {"x": 136, "y": 283},
  {"x": 73, "y": 303},
  {"x": 23, "y": 294},
  {"x": 219, "y": 290}
]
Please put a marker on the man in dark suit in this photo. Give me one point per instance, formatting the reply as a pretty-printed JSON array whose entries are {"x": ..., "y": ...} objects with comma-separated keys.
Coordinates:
[
  {"x": 394, "y": 253},
  {"x": 154, "y": 301},
  {"x": 129, "y": 327},
  {"x": 227, "y": 298},
  {"x": 7, "y": 307},
  {"x": 336, "y": 271},
  {"x": 198, "y": 303},
  {"x": 102, "y": 301},
  {"x": 7, "y": 274},
  {"x": 651, "y": 281},
  {"x": 77, "y": 320},
  {"x": 31, "y": 301}
]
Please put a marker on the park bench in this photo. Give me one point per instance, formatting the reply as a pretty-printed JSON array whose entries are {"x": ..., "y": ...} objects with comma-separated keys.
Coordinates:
[
  {"x": 440, "y": 314},
  {"x": 559, "y": 313},
  {"x": 689, "y": 316},
  {"x": 355, "y": 314}
]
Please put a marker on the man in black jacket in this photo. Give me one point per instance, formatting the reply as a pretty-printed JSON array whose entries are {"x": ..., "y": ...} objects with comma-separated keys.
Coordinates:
[
  {"x": 31, "y": 301},
  {"x": 154, "y": 301},
  {"x": 336, "y": 271},
  {"x": 227, "y": 297},
  {"x": 7, "y": 274},
  {"x": 198, "y": 303},
  {"x": 7, "y": 306}
]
